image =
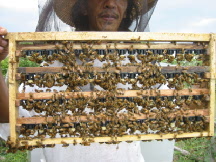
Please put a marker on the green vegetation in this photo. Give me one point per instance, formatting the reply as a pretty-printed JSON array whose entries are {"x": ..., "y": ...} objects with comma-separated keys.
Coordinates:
[
  {"x": 24, "y": 62},
  {"x": 200, "y": 149},
  {"x": 193, "y": 62},
  {"x": 10, "y": 157},
  {"x": 4, "y": 66}
]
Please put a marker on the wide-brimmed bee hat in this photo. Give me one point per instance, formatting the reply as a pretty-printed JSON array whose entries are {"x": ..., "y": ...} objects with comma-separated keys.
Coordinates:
[
  {"x": 68, "y": 12},
  {"x": 63, "y": 8}
]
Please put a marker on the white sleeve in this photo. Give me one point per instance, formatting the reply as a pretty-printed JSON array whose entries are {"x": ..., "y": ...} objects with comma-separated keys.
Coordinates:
[
  {"x": 4, "y": 130},
  {"x": 5, "y": 127}
]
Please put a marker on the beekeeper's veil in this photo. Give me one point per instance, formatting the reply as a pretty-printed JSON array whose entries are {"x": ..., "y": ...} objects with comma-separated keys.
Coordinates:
[{"x": 65, "y": 15}]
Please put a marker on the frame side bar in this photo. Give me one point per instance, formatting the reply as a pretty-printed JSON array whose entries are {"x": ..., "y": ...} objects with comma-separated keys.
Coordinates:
[
  {"x": 13, "y": 111},
  {"x": 212, "y": 82}
]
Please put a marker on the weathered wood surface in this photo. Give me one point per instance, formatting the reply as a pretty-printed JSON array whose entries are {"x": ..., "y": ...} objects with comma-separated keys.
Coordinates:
[
  {"x": 144, "y": 137},
  {"x": 109, "y": 36},
  {"x": 68, "y": 119},
  {"x": 49, "y": 46},
  {"x": 13, "y": 111},
  {"x": 127, "y": 93},
  {"x": 212, "y": 49}
]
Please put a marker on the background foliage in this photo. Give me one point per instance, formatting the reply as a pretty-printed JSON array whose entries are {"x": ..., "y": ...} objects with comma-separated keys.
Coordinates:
[
  {"x": 200, "y": 149},
  {"x": 24, "y": 62}
]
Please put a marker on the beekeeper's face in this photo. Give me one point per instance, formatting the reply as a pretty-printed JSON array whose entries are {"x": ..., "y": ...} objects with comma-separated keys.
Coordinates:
[{"x": 106, "y": 15}]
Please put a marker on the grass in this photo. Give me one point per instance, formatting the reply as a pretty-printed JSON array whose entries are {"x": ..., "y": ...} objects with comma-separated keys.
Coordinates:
[
  {"x": 10, "y": 157},
  {"x": 200, "y": 149}
]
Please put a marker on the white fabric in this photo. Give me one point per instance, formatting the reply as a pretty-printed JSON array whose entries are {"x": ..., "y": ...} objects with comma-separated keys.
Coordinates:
[
  {"x": 124, "y": 152},
  {"x": 4, "y": 130}
]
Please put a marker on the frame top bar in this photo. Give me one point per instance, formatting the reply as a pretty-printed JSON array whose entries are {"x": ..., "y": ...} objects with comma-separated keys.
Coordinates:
[{"x": 109, "y": 36}]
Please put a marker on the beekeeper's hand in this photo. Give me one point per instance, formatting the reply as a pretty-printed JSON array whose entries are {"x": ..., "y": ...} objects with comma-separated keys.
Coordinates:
[{"x": 3, "y": 44}]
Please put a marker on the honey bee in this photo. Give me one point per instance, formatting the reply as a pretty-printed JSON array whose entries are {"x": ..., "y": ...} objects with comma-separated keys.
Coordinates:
[
  {"x": 132, "y": 58},
  {"x": 170, "y": 58},
  {"x": 38, "y": 91},
  {"x": 39, "y": 144},
  {"x": 50, "y": 145},
  {"x": 179, "y": 57},
  {"x": 129, "y": 141},
  {"x": 160, "y": 58},
  {"x": 138, "y": 136},
  {"x": 65, "y": 144},
  {"x": 189, "y": 57},
  {"x": 45, "y": 64},
  {"x": 189, "y": 100},
  {"x": 74, "y": 142}
]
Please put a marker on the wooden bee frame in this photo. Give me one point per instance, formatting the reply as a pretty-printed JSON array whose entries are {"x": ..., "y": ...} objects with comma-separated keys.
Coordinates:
[{"x": 149, "y": 41}]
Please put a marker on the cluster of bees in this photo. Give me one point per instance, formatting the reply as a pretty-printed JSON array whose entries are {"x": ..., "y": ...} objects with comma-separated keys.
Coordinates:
[
  {"x": 108, "y": 115},
  {"x": 66, "y": 54},
  {"x": 76, "y": 74},
  {"x": 109, "y": 81},
  {"x": 114, "y": 128},
  {"x": 111, "y": 105}
]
